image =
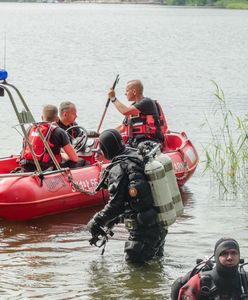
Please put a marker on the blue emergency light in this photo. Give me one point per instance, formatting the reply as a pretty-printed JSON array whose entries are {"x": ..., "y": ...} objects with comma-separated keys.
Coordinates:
[{"x": 3, "y": 74}]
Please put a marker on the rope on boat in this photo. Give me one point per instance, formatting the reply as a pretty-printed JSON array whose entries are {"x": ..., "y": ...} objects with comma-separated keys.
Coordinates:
[{"x": 78, "y": 188}]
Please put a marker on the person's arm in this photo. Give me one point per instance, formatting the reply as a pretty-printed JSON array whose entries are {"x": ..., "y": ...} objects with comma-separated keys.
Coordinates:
[
  {"x": 117, "y": 196},
  {"x": 120, "y": 128},
  {"x": 62, "y": 140},
  {"x": 115, "y": 206},
  {"x": 69, "y": 153},
  {"x": 122, "y": 108}
]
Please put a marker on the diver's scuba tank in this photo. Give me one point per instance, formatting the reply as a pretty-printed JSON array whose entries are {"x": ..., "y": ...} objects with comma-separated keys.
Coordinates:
[
  {"x": 162, "y": 198},
  {"x": 172, "y": 182}
]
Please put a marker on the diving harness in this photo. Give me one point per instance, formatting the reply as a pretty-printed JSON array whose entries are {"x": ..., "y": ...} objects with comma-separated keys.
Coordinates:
[{"x": 207, "y": 287}]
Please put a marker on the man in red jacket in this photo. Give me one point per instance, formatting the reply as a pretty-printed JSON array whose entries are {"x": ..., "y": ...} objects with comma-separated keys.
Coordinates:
[{"x": 56, "y": 138}]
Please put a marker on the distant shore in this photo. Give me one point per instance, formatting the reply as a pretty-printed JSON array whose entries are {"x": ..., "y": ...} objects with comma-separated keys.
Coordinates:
[
  {"x": 161, "y": 2},
  {"x": 241, "y": 4},
  {"x": 228, "y": 4}
]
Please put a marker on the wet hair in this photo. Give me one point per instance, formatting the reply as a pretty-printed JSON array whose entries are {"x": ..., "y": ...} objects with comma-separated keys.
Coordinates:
[
  {"x": 65, "y": 106},
  {"x": 137, "y": 84},
  {"x": 50, "y": 112}
]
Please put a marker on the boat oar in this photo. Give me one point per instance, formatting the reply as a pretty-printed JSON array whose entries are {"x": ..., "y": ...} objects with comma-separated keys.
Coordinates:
[{"x": 107, "y": 104}]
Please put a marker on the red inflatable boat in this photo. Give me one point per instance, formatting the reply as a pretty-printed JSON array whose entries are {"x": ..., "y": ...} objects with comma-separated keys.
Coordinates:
[{"x": 25, "y": 196}]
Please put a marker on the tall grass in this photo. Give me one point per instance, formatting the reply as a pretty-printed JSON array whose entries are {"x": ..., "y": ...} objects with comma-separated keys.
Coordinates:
[{"x": 227, "y": 153}]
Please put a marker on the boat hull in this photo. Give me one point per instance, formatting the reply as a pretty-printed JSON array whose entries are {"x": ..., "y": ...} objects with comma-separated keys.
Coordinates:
[
  {"x": 184, "y": 157},
  {"x": 25, "y": 196}
]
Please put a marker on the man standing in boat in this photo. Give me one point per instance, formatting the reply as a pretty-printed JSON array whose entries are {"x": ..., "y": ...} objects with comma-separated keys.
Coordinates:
[
  {"x": 56, "y": 138},
  {"x": 129, "y": 196},
  {"x": 144, "y": 119}
]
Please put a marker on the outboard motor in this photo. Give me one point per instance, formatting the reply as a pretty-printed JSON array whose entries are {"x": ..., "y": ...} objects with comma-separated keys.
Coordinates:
[
  {"x": 162, "y": 198},
  {"x": 172, "y": 182}
]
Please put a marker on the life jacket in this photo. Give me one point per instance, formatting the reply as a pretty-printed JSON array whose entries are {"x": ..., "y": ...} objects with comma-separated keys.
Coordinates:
[
  {"x": 38, "y": 146},
  {"x": 146, "y": 126}
]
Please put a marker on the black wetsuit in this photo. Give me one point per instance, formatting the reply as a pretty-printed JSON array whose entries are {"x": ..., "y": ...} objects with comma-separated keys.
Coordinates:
[{"x": 146, "y": 237}]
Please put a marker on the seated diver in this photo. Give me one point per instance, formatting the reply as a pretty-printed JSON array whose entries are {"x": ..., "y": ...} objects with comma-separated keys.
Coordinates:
[
  {"x": 226, "y": 280},
  {"x": 57, "y": 139}
]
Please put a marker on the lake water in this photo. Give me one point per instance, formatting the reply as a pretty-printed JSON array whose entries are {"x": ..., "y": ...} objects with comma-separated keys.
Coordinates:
[{"x": 57, "y": 52}]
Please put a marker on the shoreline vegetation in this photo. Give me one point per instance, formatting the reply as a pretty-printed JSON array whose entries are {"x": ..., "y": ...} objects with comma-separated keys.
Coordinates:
[
  {"x": 227, "y": 153},
  {"x": 229, "y": 4}
]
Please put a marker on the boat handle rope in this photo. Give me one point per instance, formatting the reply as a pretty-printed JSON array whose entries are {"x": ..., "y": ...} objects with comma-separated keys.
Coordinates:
[{"x": 77, "y": 187}]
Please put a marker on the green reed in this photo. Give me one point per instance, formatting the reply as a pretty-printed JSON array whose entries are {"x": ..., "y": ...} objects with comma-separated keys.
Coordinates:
[{"x": 227, "y": 153}]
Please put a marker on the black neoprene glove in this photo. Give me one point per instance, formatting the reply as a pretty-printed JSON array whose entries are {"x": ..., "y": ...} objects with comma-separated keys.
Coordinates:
[{"x": 94, "y": 228}]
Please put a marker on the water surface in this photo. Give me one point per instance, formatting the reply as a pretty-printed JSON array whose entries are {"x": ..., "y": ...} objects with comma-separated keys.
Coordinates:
[{"x": 73, "y": 52}]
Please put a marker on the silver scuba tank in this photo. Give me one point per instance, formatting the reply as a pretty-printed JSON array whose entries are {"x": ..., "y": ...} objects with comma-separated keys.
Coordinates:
[
  {"x": 172, "y": 182},
  {"x": 162, "y": 198}
]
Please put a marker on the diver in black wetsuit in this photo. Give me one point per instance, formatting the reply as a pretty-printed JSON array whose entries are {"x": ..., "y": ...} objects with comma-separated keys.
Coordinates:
[{"x": 131, "y": 197}]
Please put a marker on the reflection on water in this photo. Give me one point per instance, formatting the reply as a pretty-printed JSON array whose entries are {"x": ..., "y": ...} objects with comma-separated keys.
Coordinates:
[
  {"x": 51, "y": 257},
  {"x": 131, "y": 282}
]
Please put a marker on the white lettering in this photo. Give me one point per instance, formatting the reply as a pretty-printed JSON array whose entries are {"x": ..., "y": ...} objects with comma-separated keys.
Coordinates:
[{"x": 86, "y": 184}]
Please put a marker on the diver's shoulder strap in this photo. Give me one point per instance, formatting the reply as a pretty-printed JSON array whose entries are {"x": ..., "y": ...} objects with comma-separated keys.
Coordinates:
[{"x": 208, "y": 289}]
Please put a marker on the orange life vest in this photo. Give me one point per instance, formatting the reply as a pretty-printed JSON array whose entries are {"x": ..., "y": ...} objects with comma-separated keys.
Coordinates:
[
  {"x": 146, "y": 125},
  {"x": 38, "y": 145}
]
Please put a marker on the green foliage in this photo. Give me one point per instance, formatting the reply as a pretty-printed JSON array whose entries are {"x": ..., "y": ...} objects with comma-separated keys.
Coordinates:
[
  {"x": 237, "y": 5},
  {"x": 175, "y": 2},
  {"x": 232, "y": 4},
  {"x": 227, "y": 153},
  {"x": 188, "y": 2}
]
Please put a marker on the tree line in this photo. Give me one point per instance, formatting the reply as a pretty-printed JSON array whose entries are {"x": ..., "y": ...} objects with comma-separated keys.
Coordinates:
[{"x": 232, "y": 4}]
